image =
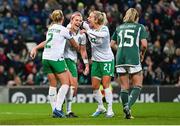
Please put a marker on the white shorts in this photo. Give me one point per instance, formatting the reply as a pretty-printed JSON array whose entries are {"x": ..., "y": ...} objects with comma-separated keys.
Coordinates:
[{"x": 128, "y": 69}]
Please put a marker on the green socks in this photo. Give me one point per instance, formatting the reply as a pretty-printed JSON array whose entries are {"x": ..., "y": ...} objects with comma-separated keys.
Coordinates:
[
  {"x": 124, "y": 97},
  {"x": 134, "y": 95}
]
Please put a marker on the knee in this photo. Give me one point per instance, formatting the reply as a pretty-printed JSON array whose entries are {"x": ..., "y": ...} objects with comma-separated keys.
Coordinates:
[
  {"x": 95, "y": 86},
  {"x": 125, "y": 86},
  {"x": 106, "y": 85}
]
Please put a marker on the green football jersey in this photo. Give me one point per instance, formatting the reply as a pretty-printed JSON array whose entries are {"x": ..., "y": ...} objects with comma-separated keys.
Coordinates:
[{"x": 128, "y": 36}]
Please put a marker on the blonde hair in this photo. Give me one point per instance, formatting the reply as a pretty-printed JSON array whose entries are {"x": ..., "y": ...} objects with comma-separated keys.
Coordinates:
[
  {"x": 57, "y": 16},
  {"x": 131, "y": 15},
  {"x": 100, "y": 17}
]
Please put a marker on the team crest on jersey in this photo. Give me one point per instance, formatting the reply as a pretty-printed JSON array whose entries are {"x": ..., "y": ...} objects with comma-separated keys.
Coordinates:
[
  {"x": 70, "y": 33},
  {"x": 79, "y": 39}
]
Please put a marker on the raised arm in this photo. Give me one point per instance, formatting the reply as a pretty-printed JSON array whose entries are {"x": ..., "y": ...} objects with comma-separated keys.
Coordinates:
[
  {"x": 89, "y": 31},
  {"x": 100, "y": 34}
]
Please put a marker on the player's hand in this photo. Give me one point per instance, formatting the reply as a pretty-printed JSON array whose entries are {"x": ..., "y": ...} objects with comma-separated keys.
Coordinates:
[
  {"x": 83, "y": 31},
  {"x": 85, "y": 25},
  {"x": 86, "y": 71},
  {"x": 33, "y": 53},
  {"x": 141, "y": 57}
]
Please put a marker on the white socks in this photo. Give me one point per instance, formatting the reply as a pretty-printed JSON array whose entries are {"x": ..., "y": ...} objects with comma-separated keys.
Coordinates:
[
  {"x": 108, "y": 97},
  {"x": 98, "y": 97},
  {"x": 52, "y": 97},
  {"x": 69, "y": 98},
  {"x": 61, "y": 96}
]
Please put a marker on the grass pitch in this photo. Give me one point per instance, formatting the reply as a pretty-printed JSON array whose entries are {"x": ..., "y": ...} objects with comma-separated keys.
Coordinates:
[{"x": 40, "y": 114}]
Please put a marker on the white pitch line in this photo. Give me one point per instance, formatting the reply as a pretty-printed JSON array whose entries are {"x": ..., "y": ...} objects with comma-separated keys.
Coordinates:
[{"x": 18, "y": 113}]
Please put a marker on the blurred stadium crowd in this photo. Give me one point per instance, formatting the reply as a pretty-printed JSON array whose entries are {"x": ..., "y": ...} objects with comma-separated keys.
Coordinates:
[{"x": 25, "y": 21}]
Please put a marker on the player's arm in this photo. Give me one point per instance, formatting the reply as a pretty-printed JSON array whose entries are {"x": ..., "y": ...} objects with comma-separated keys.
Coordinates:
[
  {"x": 74, "y": 44},
  {"x": 70, "y": 39},
  {"x": 85, "y": 59},
  {"x": 143, "y": 48},
  {"x": 103, "y": 33},
  {"x": 36, "y": 48},
  {"x": 99, "y": 34},
  {"x": 143, "y": 38},
  {"x": 114, "y": 45},
  {"x": 85, "y": 25},
  {"x": 84, "y": 55}
]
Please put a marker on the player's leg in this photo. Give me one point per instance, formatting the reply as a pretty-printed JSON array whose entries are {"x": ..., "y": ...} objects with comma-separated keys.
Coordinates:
[
  {"x": 52, "y": 90},
  {"x": 107, "y": 69},
  {"x": 60, "y": 69},
  {"x": 73, "y": 86},
  {"x": 69, "y": 97},
  {"x": 53, "y": 83},
  {"x": 123, "y": 79},
  {"x": 64, "y": 79},
  {"x": 137, "y": 79},
  {"x": 96, "y": 80},
  {"x": 98, "y": 96},
  {"x": 108, "y": 95},
  {"x": 124, "y": 83}
]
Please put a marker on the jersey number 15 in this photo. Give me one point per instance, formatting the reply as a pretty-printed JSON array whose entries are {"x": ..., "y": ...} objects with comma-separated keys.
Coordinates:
[{"x": 127, "y": 36}]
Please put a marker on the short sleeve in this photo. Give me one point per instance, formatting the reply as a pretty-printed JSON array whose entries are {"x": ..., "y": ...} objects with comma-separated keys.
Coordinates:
[
  {"x": 143, "y": 33},
  {"x": 114, "y": 36},
  {"x": 83, "y": 39},
  {"x": 66, "y": 33},
  {"x": 105, "y": 29}
]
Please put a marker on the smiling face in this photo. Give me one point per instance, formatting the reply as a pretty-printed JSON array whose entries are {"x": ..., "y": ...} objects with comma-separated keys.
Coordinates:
[
  {"x": 96, "y": 19},
  {"x": 91, "y": 19},
  {"x": 76, "y": 22}
]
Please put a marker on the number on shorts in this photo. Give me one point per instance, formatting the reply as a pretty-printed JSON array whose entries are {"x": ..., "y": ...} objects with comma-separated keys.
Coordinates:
[{"x": 107, "y": 67}]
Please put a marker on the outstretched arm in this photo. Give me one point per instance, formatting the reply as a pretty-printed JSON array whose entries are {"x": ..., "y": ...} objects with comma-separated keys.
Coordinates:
[
  {"x": 100, "y": 34},
  {"x": 88, "y": 30},
  {"x": 35, "y": 49}
]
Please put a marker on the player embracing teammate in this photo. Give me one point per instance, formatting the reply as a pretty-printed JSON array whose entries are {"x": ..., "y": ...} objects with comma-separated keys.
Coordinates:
[{"x": 60, "y": 56}]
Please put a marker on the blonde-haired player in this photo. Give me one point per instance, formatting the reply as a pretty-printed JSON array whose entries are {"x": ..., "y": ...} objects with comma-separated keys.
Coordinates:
[
  {"x": 53, "y": 60},
  {"x": 102, "y": 60},
  {"x": 126, "y": 40},
  {"x": 71, "y": 58}
]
